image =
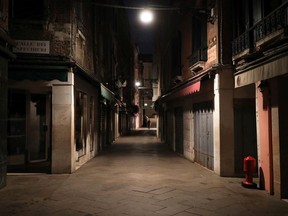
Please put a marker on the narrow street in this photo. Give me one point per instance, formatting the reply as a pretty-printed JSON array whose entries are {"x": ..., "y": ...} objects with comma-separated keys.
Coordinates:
[{"x": 137, "y": 176}]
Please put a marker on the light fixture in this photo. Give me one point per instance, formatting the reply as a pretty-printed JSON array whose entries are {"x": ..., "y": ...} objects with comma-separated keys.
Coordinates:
[
  {"x": 146, "y": 16},
  {"x": 137, "y": 83},
  {"x": 212, "y": 16},
  {"x": 262, "y": 86}
]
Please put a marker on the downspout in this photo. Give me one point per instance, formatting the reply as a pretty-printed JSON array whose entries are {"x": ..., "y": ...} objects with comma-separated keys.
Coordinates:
[
  {"x": 71, "y": 31},
  {"x": 220, "y": 29},
  {"x": 271, "y": 186}
]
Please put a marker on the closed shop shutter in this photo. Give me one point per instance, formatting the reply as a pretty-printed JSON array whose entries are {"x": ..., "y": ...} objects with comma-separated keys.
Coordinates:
[
  {"x": 203, "y": 130},
  {"x": 179, "y": 130}
]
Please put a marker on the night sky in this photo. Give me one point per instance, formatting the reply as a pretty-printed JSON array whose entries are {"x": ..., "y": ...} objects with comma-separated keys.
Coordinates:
[{"x": 141, "y": 34}]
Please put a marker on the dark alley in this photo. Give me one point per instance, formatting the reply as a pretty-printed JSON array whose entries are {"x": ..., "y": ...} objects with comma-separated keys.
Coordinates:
[{"x": 143, "y": 107}]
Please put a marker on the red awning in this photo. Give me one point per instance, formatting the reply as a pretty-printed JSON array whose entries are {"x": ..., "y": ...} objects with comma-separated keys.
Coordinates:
[
  {"x": 181, "y": 92},
  {"x": 195, "y": 87}
]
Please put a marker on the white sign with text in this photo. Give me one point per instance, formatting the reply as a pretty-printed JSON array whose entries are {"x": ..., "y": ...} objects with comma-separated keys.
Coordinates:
[{"x": 32, "y": 46}]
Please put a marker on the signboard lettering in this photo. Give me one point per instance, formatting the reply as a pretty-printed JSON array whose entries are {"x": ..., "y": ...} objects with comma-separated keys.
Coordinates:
[{"x": 32, "y": 46}]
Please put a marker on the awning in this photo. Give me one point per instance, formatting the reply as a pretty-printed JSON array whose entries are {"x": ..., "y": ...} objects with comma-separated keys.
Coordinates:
[
  {"x": 182, "y": 91},
  {"x": 38, "y": 72},
  {"x": 107, "y": 94},
  {"x": 195, "y": 87},
  {"x": 266, "y": 71}
]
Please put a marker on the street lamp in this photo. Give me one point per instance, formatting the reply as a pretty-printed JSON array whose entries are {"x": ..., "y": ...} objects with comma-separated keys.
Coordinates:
[{"x": 146, "y": 16}]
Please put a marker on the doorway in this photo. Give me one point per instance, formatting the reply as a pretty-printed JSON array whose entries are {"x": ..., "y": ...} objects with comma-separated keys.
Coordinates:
[
  {"x": 28, "y": 140},
  {"x": 245, "y": 137},
  {"x": 38, "y": 142}
]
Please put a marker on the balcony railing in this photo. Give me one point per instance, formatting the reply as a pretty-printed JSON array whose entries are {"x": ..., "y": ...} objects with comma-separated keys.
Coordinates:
[
  {"x": 198, "y": 56},
  {"x": 241, "y": 43},
  {"x": 275, "y": 21}
]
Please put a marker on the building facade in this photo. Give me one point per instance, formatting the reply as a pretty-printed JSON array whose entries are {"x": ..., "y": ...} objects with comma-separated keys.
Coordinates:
[
  {"x": 6, "y": 55},
  {"x": 196, "y": 83},
  {"x": 62, "y": 101},
  {"x": 260, "y": 58},
  {"x": 223, "y": 68}
]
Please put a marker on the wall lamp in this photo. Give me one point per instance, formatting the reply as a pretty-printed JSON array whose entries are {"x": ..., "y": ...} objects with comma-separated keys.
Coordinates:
[
  {"x": 211, "y": 16},
  {"x": 262, "y": 86}
]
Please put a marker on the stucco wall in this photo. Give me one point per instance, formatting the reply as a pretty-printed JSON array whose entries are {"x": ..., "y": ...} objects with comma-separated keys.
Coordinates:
[{"x": 264, "y": 156}]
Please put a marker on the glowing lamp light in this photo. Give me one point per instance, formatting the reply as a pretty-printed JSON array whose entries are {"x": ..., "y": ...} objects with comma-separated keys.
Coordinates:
[
  {"x": 146, "y": 16},
  {"x": 137, "y": 83}
]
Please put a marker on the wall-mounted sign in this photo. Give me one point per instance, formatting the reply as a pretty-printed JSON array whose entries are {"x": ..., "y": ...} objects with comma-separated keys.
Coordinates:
[
  {"x": 212, "y": 54},
  {"x": 32, "y": 46}
]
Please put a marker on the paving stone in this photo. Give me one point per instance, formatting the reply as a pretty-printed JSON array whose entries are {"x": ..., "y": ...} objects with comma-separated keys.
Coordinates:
[
  {"x": 173, "y": 209},
  {"x": 137, "y": 176}
]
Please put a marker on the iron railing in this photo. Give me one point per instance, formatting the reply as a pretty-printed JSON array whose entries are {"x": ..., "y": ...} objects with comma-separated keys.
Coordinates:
[
  {"x": 197, "y": 56},
  {"x": 276, "y": 20}
]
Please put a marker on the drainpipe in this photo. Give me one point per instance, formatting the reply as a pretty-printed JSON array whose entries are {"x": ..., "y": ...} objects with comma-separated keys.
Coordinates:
[
  {"x": 268, "y": 95},
  {"x": 220, "y": 29}
]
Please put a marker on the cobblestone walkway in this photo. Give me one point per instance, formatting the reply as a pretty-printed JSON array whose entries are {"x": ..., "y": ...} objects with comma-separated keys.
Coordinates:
[{"x": 137, "y": 176}]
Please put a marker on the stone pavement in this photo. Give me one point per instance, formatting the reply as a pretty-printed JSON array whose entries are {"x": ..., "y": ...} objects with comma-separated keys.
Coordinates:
[{"x": 137, "y": 176}]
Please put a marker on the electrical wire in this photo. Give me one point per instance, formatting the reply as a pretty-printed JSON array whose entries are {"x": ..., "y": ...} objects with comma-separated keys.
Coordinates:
[{"x": 134, "y": 8}]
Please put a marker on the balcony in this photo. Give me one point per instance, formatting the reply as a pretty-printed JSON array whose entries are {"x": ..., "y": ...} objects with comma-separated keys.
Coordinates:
[
  {"x": 197, "y": 60},
  {"x": 266, "y": 31}
]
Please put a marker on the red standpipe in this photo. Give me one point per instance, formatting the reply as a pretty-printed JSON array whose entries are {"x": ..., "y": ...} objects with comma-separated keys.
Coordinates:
[{"x": 249, "y": 166}]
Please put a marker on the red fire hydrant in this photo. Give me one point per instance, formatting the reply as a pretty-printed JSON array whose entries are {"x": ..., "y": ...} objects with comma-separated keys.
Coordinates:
[{"x": 249, "y": 166}]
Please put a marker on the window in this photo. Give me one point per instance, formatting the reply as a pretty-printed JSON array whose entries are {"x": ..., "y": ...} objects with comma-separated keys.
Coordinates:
[
  {"x": 80, "y": 122},
  {"x": 270, "y": 6},
  {"x": 79, "y": 15},
  {"x": 28, "y": 9},
  {"x": 241, "y": 16},
  {"x": 199, "y": 33},
  {"x": 176, "y": 55},
  {"x": 199, "y": 40}
]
